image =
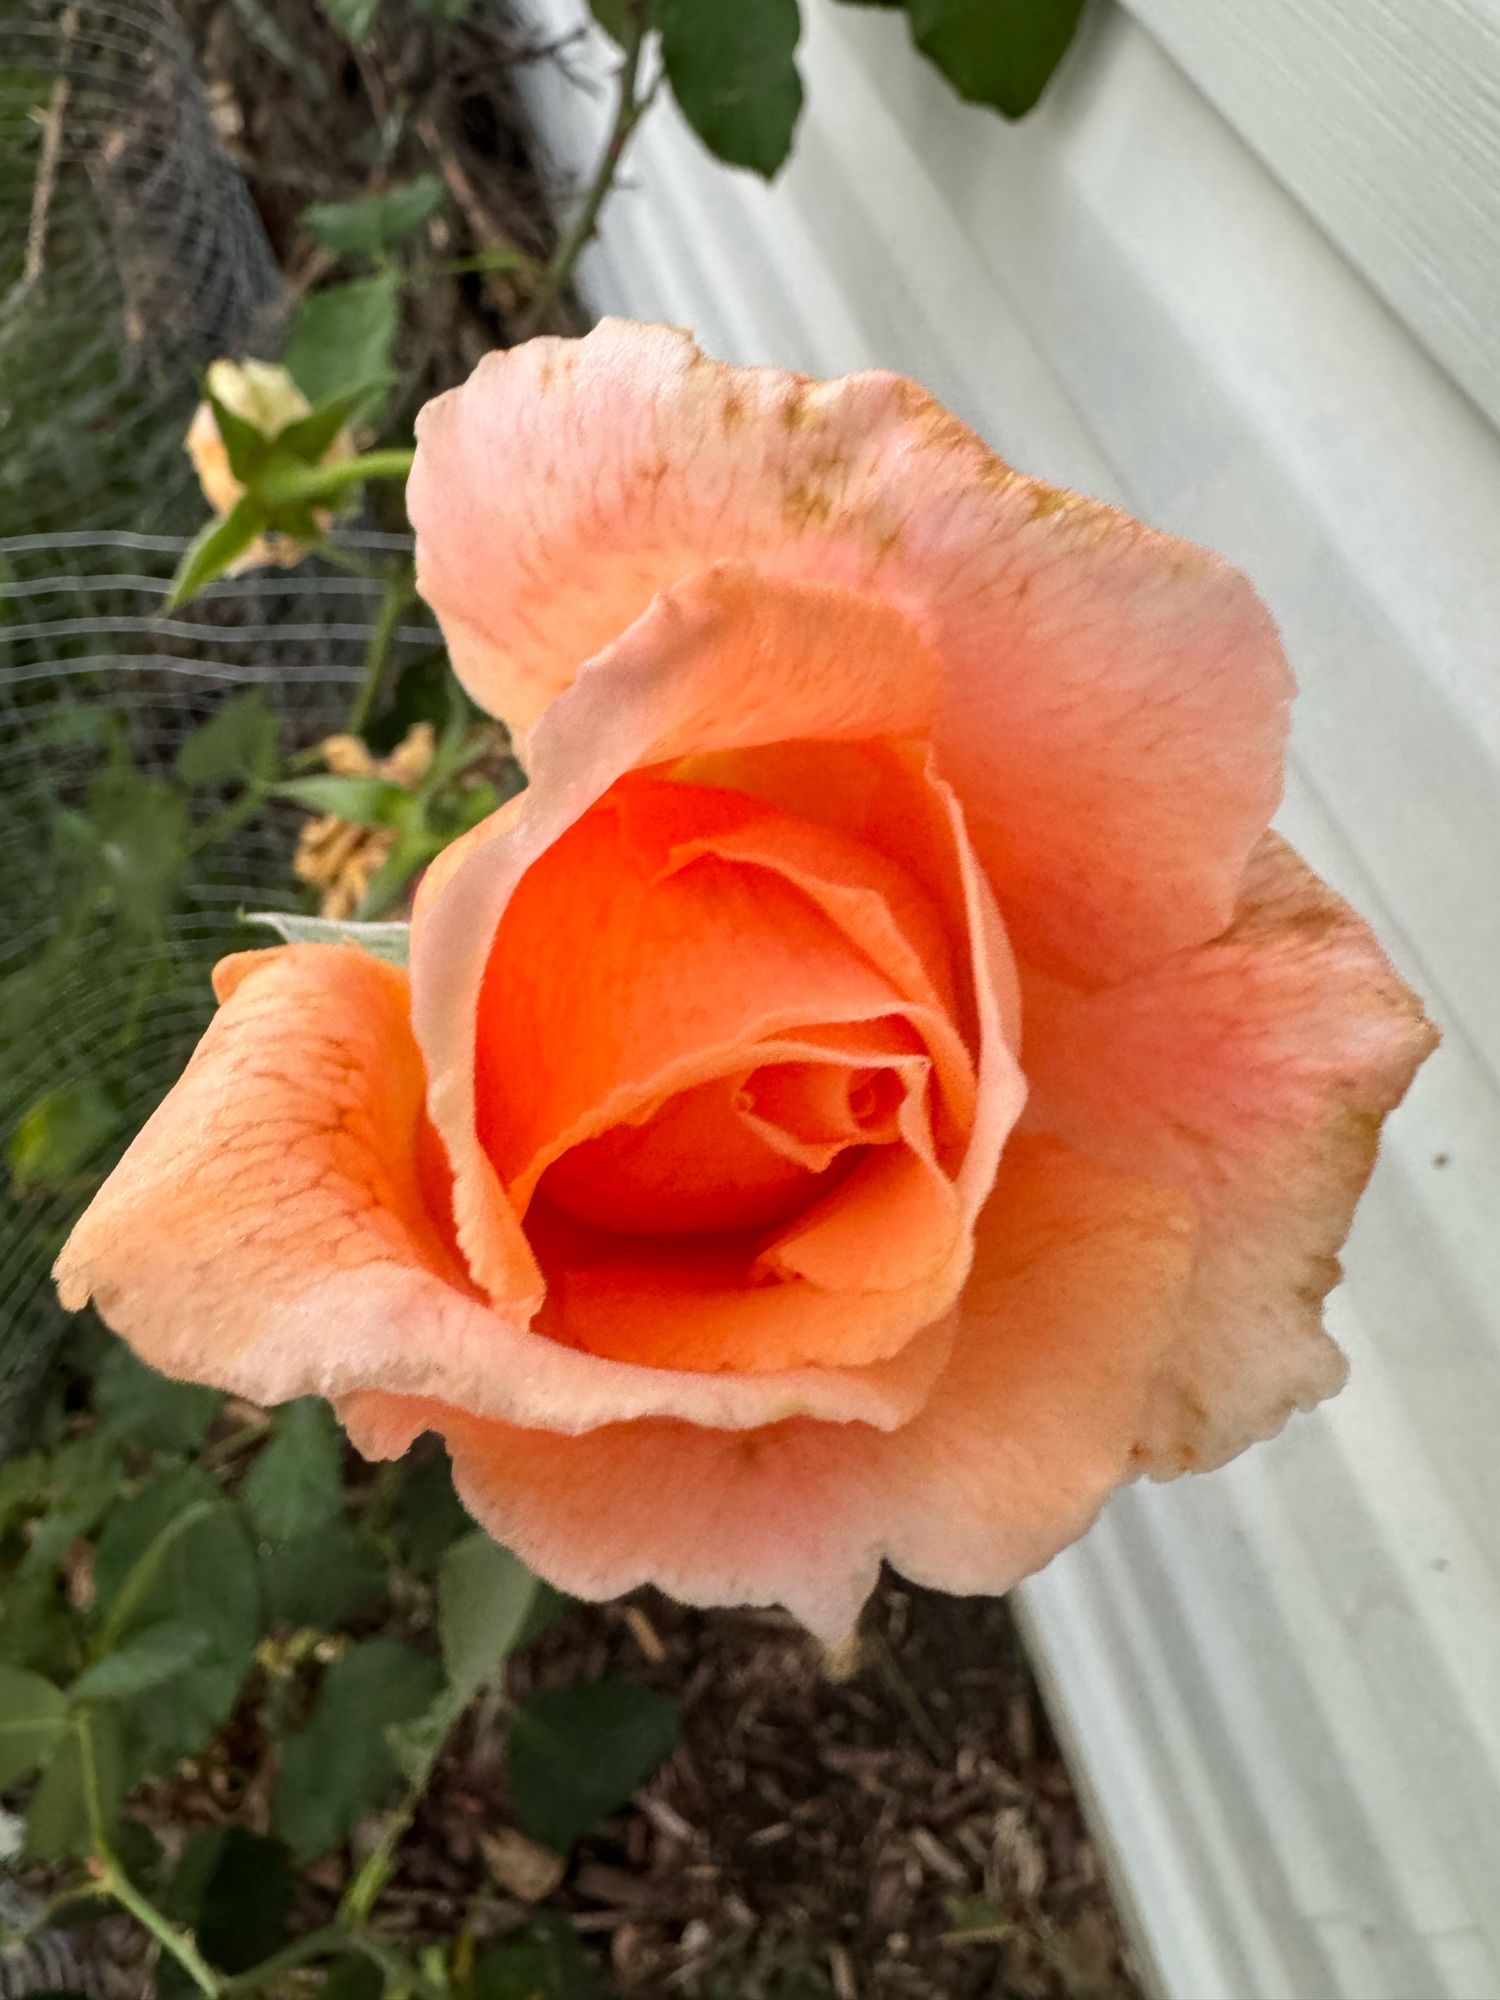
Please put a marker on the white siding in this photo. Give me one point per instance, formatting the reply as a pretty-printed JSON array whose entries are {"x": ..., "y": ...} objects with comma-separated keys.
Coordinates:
[{"x": 1281, "y": 1683}]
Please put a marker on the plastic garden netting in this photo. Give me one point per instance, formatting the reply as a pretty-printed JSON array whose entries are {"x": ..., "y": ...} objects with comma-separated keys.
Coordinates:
[{"x": 130, "y": 255}]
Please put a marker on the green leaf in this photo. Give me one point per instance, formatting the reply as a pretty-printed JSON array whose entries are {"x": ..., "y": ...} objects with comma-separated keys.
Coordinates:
[
  {"x": 364, "y": 801},
  {"x": 245, "y": 445},
  {"x": 234, "y": 1889},
  {"x": 176, "y": 1550},
  {"x": 376, "y": 223},
  {"x": 545, "y": 1961},
  {"x": 429, "y": 1513},
  {"x": 341, "y": 1765},
  {"x": 157, "y": 1654},
  {"x": 33, "y": 1717},
  {"x": 215, "y": 546},
  {"x": 388, "y": 941},
  {"x": 344, "y": 334},
  {"x": 996, "y": 52},
  {"x": 484, "y": 1596},
  {"x": 61, "y": 1133},
  {"x": 295, "y": 1486},
  {"x": 353, "y": 1979},
  {"x": 354, "y": 18},
  {"x": 445, "y": 10},
  {"x": 24, "y": 1485},
  {"x": 58, "y": 1822},
  {"x": 137, "y": 826},
  {"x": 150, "y": 1409},
  {"x": 238, "y": 742},
  {"x": 416, "y": 845},
  {"x": 733, "y": 70},
  {"x": 322, "y": 1580},
  {"x": 307, "y": 438},
  {"x": 498, "y": 257},
  {"x": 36, "y": 1626},
  {"x": 613, "y": 16},
  {"x": 577, "y": 1753},
  {"x": 86, "y": 1481},
  {"x": 416, "y": 1744}
]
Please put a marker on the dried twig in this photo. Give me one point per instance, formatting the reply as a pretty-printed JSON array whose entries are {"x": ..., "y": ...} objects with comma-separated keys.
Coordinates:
[{"x": 44, "y": 187}]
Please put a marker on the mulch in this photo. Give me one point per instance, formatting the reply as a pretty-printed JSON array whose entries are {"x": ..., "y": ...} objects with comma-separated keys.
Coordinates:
[{"x": 909, "y": 1832}]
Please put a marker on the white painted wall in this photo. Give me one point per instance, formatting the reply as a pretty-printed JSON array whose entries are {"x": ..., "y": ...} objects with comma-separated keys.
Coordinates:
[{"x": 1281, "y": 1684}]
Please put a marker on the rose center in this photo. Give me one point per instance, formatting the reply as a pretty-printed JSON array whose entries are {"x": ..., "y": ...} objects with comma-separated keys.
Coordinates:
[{"x": 742, "y": 1151}]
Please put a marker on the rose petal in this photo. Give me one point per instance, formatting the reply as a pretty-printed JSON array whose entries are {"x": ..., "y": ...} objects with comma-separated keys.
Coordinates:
[
  {"x": 1073, "y": 1300},
  {"x": 267, "y": 1232},
  {"x": 664, "y": 695},
  {"x": 1253, "y": 1073},
  {"x": 1114, "y": 702},
  {"x": 659, "y": 940}
]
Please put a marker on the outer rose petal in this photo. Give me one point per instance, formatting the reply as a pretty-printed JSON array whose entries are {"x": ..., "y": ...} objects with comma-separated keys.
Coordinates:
[
  {"x": 1254, "y": 1073},
  {"x": 267, "y": 1232},
  {"x": 1113, "y": 702},
  {"x": 1072, "y": 1302}
]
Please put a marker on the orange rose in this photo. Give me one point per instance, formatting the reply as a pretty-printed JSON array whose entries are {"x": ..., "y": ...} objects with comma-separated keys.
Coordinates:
[{"x": 880, "y": 1087}]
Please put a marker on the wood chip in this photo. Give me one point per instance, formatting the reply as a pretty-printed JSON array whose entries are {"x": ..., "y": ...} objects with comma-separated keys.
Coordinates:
[
  {"x": 841, "y": 1971},
  {"x": 521, "y": 1866},
  {"x": 644, "y": 1634},
  {"x": 938, "y": 1858}
]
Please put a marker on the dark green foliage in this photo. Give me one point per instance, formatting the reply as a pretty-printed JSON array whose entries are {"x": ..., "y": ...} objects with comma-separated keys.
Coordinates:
[
  {"x": 238, "y": 742},
  {"x": 342, "y": 1765},
  {"x": 324, "y": 1579},
  {"x": 345, "y": 334},
  {"x": 484, "y": 1598},
  {"x": 543, "y": 1962},
  {"x": 1000, "y": 53},
  {"x": 996, "y": 52},
  {"x": 293, "y": 1489},
  {"x": 234, "y": 1889},
  {"x": 733, "y": 70},
  {"x": 430, "y": 1514},
  {"x": 141, "y": 1407},
  {"x": 577, "y": 1753},
  {"x": 373, "y": 224},
  {"x": 33, "y": 1719},
  {"x": 178, "y": 1551}
]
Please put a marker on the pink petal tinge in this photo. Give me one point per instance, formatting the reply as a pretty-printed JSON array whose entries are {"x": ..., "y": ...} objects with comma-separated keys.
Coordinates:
[
  {"x": 1074, "y": 1298},
  {"x": 1253, "y": 1074},
  {"x": 1112, "y": 704}
]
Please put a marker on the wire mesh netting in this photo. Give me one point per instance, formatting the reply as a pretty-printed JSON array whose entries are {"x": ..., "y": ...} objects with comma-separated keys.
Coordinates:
[{"x": 130, "y": 255}]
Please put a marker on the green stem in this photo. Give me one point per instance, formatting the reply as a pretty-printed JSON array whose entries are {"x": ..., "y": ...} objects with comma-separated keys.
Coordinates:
[
  {"x": 325, "y": 1943},
  {"x": 401, "y": 1975},
  {"x": 113, "y": 1881},
  {"x": 229, "y": 821},
  {"x": 346, "y": 559},
  {"x": 321, "y": 482},
  {"x": 361, "y": 1895},
  {"x": 143, "y": 1573},
  {"x": 630, "y": 104},
  {"x": 400, "y": 589}
]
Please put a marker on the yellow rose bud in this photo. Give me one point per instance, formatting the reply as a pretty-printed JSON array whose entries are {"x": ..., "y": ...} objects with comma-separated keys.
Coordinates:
[{"x": 263, "y": 394}]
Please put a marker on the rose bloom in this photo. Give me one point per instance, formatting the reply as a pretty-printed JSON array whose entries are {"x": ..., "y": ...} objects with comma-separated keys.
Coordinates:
[
  {"x": 878, "y": 1089},
  {"x": 262, "y": 394}
]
